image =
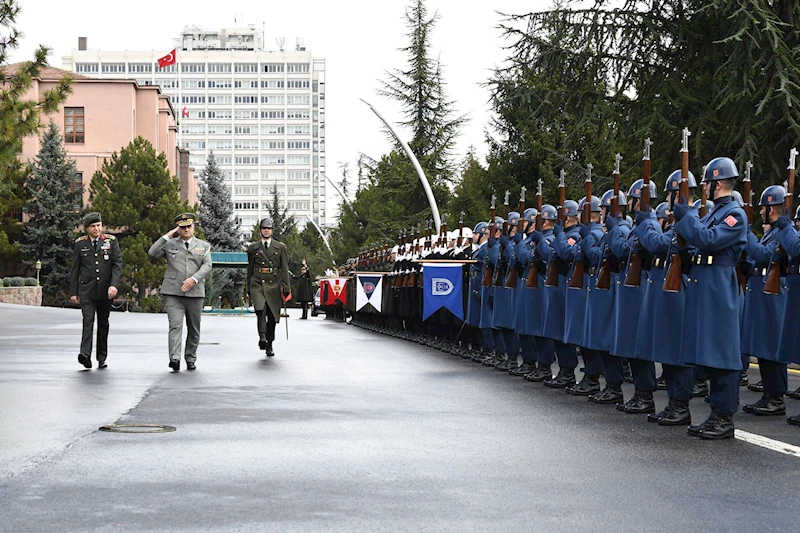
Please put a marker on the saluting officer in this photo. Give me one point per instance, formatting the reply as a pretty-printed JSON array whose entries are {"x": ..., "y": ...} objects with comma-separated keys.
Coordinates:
[
  {"x": 188, "y": 264},
  {"x": 93, "y": 282},
  {"x": 713, "y": 298},
  {"x": 267, "y": 281}
]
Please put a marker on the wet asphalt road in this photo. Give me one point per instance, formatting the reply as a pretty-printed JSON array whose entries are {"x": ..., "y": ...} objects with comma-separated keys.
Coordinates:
[{"x": 348, "y": 430}]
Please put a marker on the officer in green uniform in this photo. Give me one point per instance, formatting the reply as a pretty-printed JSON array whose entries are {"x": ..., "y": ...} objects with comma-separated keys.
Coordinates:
[
  {"x": 93, "y": 281},
  {"x": 267, "y": 281}
]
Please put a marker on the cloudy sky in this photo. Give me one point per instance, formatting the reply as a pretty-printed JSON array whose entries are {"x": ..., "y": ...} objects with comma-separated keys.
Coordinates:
[{"x": 358, "y": 38}]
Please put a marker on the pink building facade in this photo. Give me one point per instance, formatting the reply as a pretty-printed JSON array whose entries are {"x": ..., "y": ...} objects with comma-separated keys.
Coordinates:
[{"x": 102, "y": 116}]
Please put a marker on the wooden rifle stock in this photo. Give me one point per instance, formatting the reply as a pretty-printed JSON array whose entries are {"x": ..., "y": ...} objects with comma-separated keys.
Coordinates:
[
  {"x": 489, "y": 270},
  {"x": 603, "y": 282},
  {"x": 579, "y": 269},
  {"x": 511, "y": 279},
  {"x": 673, "y": 279},
  {"x": 552, "y": 267},
  {"x": 533, "y": 270},
  {"x": 633, "y": 277},
  {"x": 772, "y": 285}
]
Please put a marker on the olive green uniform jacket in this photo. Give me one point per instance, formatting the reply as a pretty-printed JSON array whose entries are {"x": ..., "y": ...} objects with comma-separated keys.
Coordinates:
[{"x": 267, "y": 273}]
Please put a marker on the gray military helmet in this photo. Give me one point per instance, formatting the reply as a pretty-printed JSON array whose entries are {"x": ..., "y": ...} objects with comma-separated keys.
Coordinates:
[{"x": 265, "y": 223}]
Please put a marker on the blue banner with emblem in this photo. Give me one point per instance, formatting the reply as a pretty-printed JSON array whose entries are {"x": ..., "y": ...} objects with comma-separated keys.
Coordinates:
[{"x": 442, "y": 289}]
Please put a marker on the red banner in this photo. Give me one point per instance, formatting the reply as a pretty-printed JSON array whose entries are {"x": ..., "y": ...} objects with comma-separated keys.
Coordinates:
[{"x": 333, "y": 290}]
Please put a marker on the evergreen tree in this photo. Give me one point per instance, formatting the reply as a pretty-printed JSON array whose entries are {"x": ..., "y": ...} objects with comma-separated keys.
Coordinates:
[
  {"x": 18, "y": 118},
  {"x": 282, "y": 222},
  {"x": 139, "y": 200},
  {"x": 221, "y": 231},
  {"x": 54, "y": 213}
]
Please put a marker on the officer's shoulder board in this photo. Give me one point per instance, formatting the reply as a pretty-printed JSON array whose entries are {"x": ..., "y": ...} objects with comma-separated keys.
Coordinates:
[
  {"x": 82, "y": 238},
  {"x": 108, "y": 237}
]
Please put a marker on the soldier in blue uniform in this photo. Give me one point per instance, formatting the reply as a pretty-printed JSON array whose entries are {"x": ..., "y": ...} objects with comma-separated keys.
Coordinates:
[
  {"x": 504, "y": 297},
  {"x": 528, "y": 307},
  {"x": 660, "y": 330},
  {"x": 487, "y": 297},
  {"x": 762, "y": 319},
  {"x": 485, "y": 344},
  {"x": 789, "y": 239},
  {"x": 93, "y": 283},
  {"x": 536, "y": 249},
  {"x": 628, "y": 305},
  {"x": 713, "y": 298},
  {"x": 555, "y": 296}
]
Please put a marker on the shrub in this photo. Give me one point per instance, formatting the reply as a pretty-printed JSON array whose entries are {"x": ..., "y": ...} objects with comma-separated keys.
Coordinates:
[
  {"x": 1, "y": 282},
  {"x": 30, "y": 282},
  {"x": 152, "y": 304},
  {"x": 17, "y": 281}
]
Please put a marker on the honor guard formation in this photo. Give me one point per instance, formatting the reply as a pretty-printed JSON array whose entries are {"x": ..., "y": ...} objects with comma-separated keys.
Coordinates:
[{"x": 622, "y": 282}]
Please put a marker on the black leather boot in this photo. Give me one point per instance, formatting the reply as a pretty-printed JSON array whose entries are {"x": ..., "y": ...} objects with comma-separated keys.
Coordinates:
[
  {"x": 794, "y": 394},
  {"x": 661, "y": 383},
  {"x": 768, "y": 405},
  {"x": 676, "y": 414},
  {"x": 542, "y": 373},
  {"x": 522, "y": 370},
  {"x": 696, "y": 429},
  {"x": 640, "y": 403},
  {"x": 699, "y": 389},
  {"x": 588, "y": 385},
  {"x": 793, "y": 420},
  {"x": 756, "y": 387},
  {"x": 721, "y": 428},
  {"x": 611, "y": 394},
  {"x": 562, "y": 380}
]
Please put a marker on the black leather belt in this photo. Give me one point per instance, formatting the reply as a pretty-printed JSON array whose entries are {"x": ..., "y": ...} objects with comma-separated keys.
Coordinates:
[{"x": 712, "y": 260}]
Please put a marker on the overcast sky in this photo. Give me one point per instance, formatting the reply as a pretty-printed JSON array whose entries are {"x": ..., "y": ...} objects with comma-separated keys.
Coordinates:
[{"x": 359, "y": 40}]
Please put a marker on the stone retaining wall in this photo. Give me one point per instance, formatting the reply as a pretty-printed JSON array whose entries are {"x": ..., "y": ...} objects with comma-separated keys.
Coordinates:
[{"x": 21, "y": 295}]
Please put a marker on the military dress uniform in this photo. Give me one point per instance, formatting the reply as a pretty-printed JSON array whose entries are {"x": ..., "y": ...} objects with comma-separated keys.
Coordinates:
[
  {"x": 185, "y": 259},
  {"x": 788, "y": 351},
  {"x": 96, "y": 266},
  {"x": 267, "y": 277}
]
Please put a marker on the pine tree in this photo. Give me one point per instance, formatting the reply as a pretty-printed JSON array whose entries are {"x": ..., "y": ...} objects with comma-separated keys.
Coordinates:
[
  {"x": 54, "y": 213},
  {"x": 221, "y": 231},
  {"x": 139, "y": 199},
  {"x": 282, "y": 222},
  {"x": 18, "y": 119}
]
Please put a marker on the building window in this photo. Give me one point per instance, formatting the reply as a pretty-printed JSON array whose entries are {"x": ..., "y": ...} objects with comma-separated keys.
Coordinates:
[
  {"x": 245, "y": 145},
  {"x": 219, "y": 67},
  {"x": 193, "y": 67},
  {"x": 298, "y": 99},
  {"x": 298, "y": 190},
  {"x": 246, "y": 159},
  {"x": 73, "y": 125},
  {"x": 224, "y": 160},
  {"x": 246, "y": 84},
  {"x": 245, "y": 100},
  {"x": 113, "y": 68},
  {"x": 193, "y": 99},
  {"x": 219, "y": 84},
  {"x": 220, "y": 114},
  {"x": 219, "y": 145},
  {"x": 245, "y": 130},
  {"x": 245, "y": 114},
  {"x": 297, "y": 84},
  {"x": 272, "y": 175},
  {"x": 298, "y": 130},
  {"x": 250, "y": 190},
  {"x": 198, "y": 114},
  {"x": 296, "y": 114},
  {"x": 194, "y": 145},
  {"x": 86, "y": 67},
  {"x": 246, "y": 206},
  {"x": 140, "y": 67},
  {"x": 272, "y": 114},
  {"x": 272, "y": 145},
  {"x": 245, "y": 67},
  {"x": 167, "y": 84},
  {"x": 298, "y": 145},
  {"x": 271, "y": 130},
  {"x": 169, "y": 68},
  {"x": 299, "y": 175},
  {"x": 77, "y": 187},
  {"x": 220, "y": 130},
  {"x": 276, "y": 99},
  {"x": 299, "y": 160},
  {"x": 273, "y": 160},
  {"x": 193, "y": 84},
  {"x": 217, "y": 99},
  {"x": 272, "y": 67},
  {"x": 298, "y": 206},
  {"x": 297, "y": 67},
  {"x": 193, "y": 130},
  {"x": 272, "y": 84}
]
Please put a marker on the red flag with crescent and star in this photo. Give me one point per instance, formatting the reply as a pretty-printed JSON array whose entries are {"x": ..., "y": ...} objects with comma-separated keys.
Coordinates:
[{"x": 168, "y": 59}]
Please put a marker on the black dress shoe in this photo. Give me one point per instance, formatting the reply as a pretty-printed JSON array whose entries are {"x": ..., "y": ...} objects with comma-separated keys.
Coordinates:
[
  {"x": 655, "y": 417},
  {"x": 757, "y": 387},
  {"x": 611, "y": 394},
  {"x": 262, "y": 343},
  {"x": 85, "y": 360},
  {"x": 794, "y": 394},
  {"x": 639, "y": 404},
  {"x": 678, "y": 416},
  {"x": 695, "y": 430},
  {"x": 268, "y": 349},
  {"x": 743, "y": 379},
  {"x": 541, "y": 374},
  {"x": 522, "y": 370},
  {"x": 699, "y": 389},
  {"x": 720, "y": 428},
  {"x": 190, "y": 366},
  {"x": 102, "y": 364},
  {"x": 175, "y": 365},
  {"x": 661, "y": 383},
  {"x": 495, "y": 360},
  {"x": 505, "y": 366},
  {"x": 588, "y": 385},
  {"x": 767, "y": 406},
  {"x": 793, "y": 420},
  {"x": 563, "y": 379}
]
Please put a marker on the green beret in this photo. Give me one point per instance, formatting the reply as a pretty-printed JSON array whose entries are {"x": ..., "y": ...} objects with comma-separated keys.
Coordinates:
[
  {"x": 185, "y": 219},
  {"x": 91, "y": 218}
]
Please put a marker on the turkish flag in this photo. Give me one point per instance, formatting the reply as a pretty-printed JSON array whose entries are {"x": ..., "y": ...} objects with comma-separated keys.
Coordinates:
[
  {"x": 185, "y": 112},
  {"x": 167, "y": 60}
]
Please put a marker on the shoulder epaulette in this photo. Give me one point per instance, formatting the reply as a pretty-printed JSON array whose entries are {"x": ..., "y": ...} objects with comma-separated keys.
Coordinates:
[
  {"x": 109, "y": 237},
  {"x": 81, "y": 238}
]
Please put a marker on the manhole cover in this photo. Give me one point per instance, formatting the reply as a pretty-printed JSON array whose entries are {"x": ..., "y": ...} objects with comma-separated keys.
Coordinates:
[{"x": 138, "y": 428}]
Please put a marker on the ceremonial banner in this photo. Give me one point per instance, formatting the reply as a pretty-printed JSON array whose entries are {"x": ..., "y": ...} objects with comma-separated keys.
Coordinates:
[
  {"x": 442, "y": 288},
  {"x": 332, "y": 290},
  {"x": 369, "y": 290}
]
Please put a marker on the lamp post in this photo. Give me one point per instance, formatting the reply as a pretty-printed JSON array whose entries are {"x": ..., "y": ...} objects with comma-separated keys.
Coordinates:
[{"x": 38, "y": 269}]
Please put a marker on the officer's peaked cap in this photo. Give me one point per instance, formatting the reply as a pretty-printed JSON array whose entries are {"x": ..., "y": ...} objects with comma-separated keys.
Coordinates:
[{"x": 185, "y": 219}]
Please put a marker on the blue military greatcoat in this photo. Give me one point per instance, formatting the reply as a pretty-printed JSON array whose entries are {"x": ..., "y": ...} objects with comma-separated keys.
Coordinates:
[
  {"x": 504, "y": 298},
  {"x": 762, "y": 320},
  {"x": 789, "y": 350},
  {"x": 528, "y": 318},
  {"x": 627, "y": 300},
  {"x": 555, "y": 297},
  {"x": 713, "y": 297},
  {"x": 660, "y": 331},
  {"x": 599, "y": 303},
  {"x": 567, "y": 246},
  {"x": 476, "y": 272}
]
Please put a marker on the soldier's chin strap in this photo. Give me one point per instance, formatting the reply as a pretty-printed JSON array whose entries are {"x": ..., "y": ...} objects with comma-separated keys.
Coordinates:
[{"x": 712, "y": 188}]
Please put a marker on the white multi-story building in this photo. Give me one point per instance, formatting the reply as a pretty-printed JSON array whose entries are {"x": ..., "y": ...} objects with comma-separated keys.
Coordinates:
[{"x": 262, "y": 112}]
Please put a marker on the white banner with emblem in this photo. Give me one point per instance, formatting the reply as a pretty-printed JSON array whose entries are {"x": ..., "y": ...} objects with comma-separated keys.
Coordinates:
[{"x": 369, "y": 290}]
